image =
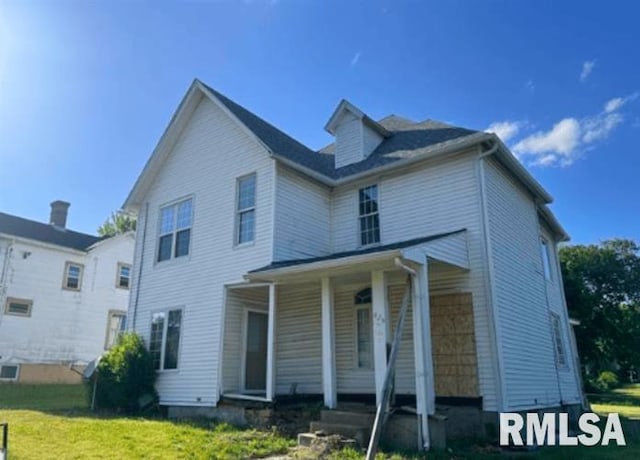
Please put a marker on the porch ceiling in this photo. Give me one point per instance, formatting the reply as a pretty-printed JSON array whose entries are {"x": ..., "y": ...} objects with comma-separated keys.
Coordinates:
[{"x": 448, "y": 248}]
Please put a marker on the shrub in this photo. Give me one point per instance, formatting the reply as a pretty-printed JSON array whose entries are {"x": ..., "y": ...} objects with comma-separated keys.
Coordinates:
[
  {"x": 606, "y": 381},
  {"x": 125, "y": 375}
]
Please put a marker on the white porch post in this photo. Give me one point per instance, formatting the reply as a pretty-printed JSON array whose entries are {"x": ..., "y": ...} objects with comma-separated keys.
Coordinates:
[
  {"x": 271, "y": 335},
  {"x": 425, "y": 390},
  {"x": 380, "y": 329},
  {"x": 328, "y": 346}
]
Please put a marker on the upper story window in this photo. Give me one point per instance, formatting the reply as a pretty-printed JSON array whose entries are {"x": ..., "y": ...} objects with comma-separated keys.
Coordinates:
[
  {"x": 123, "y": 277},
  {"x": 246, "y": 209},
  {"x": 175, "y": 230},
  {"x": 561, "y": 358},
  {"x": 368, "y": 215},
  {"x": 18, "y": 307},
  {"x": 164, "y": 342},
  {"x": 72, "y": 276},
  {"x": 546, "y": 258}
]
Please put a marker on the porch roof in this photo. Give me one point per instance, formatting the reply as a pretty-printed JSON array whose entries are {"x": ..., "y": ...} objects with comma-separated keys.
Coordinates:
[{"x": 449, "y": 247}]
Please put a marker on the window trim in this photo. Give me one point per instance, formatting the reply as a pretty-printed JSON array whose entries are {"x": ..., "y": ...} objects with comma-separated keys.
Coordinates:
[
  {"x": 164, "y": 337},
  {"x": 238, "y": 212},
  {"x": 16, "y": 378},
  {"x": 65, "y": 277},
  {"x": 358, "y": 226},
  {"x": 558, "y": 339},
  {"x": 118, "y": 276},
  {"x": 10, "y": 300},
  {"x": 367, "y": 307},
  {"x": 174, "y": 232},
  {"x": 110, "y": 314}
]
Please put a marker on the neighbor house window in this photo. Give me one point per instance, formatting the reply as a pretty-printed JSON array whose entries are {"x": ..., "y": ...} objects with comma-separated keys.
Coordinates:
[
  {"x": 561, "y": 359},
  {"x": 364, "y": 330},
  {"x": 9, "y": 372},
  {"x": 116, "y": 322},
  {"x": 175, "y": 230},
  {"x": 123, "y": 279},
  {"x": 546, "y": 258},
  {"x": 368, "y": 215},
  {"x": 18, "y": 307},
  {"x": 164, "y": 342},
  {"x": 72, "y": 276},
  {"x": 246, "y": 209}
]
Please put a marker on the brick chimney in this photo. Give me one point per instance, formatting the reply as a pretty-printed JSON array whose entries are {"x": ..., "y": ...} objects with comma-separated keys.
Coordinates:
[{"x": 59, "y": 211}]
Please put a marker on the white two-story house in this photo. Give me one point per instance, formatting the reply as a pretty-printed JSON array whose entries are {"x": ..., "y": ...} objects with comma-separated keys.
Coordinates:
[
  {"x": 63, "y": 297},
  {"x": 265, "y": 268}
]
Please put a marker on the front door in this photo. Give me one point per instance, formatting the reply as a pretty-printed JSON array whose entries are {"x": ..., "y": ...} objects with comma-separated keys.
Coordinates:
[{"x": 256, "y": 354}]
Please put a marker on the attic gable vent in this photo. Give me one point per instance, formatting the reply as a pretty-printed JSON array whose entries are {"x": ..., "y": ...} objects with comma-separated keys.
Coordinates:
[{"x": 357, "y": 135}]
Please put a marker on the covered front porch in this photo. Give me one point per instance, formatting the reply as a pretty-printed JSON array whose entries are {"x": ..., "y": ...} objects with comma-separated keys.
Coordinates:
[{"x": 325, "y": 326}]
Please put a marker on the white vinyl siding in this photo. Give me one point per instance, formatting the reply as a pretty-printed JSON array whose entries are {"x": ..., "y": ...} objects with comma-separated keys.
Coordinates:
[
  {"x": 521, "y": 291},
  {"x": 303, "y": 217},
  {"x": 212, "y": 152},
  {"x": 354, "y": 141}
]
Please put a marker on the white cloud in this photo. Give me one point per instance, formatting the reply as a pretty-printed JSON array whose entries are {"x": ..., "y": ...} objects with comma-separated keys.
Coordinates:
[
  {"x": 555, "y": 145},
  {"x": 505, "y": 130},
  {"x": 530, "y": 85},
  {"x": 570, "y": 137},
  {"x": 355, "y": 59},
  {"x": 587, "y": 68}
]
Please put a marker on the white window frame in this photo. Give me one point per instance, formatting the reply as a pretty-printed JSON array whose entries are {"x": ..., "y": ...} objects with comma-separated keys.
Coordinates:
[
  {"x": 559, "y": 348},
  {"x": 239, "y": 212},
  {"x": 122, "y": 265},
  {"x": 175, "y": 230},
  {"x": 163, "y": 342},
  {"x": 65, "y": 278},
  {"x": 110, "y": 315},
  {"x": 11, "y": 300},
  {"x": 361, "y": 216},
  {"x": 545, "y": 253},
  {"x": 14, "y": 379}
]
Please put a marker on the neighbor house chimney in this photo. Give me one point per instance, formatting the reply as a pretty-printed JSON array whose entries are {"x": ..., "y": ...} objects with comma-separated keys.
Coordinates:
[{"x": 59, "y": 213}]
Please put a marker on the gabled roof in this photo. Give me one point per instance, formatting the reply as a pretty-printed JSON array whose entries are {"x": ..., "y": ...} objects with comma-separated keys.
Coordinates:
[
  {"x": 404, "y": 142},
  {"x": 347, "y": 107},
  {"x": 46, "y": 233}
]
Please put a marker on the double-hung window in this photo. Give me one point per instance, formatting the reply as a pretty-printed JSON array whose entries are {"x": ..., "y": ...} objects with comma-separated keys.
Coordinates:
[
  {"x": 123, "y": 278},
  {"x": 175, "y": 230},
  {"x": 368, "y": 215},
  {"x": 364, "y": 330},
  {"x": 246, "y": 209},
  {"x": 561, "y": 357},
  {"x": 164, "y": 343},
  {"x": 546, "y": 258},
  {"x": 72, "y": 276}
]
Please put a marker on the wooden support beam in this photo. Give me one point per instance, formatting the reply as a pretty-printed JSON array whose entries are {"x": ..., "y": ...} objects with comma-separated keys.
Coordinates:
[
  {"x": 380, "y": 310},
  {"x": 328, "y": 346}
]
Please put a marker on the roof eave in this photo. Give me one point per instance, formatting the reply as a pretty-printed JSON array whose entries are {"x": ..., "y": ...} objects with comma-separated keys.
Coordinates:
[{"x": 553, "y": 223}]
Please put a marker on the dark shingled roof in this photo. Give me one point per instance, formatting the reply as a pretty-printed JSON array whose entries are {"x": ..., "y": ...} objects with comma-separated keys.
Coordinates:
[
  {"x": 407, "y": 139},
  {"x": 30, "y": 229},
  {"x": 358, "y": 252}
]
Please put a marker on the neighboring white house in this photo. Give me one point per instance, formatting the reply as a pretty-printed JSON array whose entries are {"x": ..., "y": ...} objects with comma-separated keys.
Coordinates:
[
  {"x": 264, "y": 268},
  {"x": 63, "y": 296}
]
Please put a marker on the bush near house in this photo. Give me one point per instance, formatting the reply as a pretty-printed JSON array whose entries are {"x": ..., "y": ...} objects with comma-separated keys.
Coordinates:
[{"x": 125, "y": 376}]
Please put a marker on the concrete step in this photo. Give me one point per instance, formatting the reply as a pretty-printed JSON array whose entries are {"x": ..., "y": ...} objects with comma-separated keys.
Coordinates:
[
  {"x": 358, "y": 432},
  {"x": 348, "y": 417}
]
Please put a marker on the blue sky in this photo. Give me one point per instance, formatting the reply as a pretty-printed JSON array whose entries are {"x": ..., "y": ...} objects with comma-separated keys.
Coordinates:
[{"x": 86, "y": 89}]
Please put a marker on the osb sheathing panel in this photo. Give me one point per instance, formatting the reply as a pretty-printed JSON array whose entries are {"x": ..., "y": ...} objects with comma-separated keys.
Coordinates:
[
  {"x": 48, "y": 373},
  {"x": 454, "y": 345}
]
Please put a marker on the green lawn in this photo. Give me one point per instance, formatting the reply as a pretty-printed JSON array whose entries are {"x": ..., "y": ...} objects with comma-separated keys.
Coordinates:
[
  {"x": 625, "y": 401},
  {"x": 53, "y": 422}
]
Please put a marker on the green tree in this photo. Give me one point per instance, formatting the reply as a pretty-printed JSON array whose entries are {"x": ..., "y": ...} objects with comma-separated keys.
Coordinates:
[
  {"x": 602, "y": 286},
  {"x": 119, "y": 222}
]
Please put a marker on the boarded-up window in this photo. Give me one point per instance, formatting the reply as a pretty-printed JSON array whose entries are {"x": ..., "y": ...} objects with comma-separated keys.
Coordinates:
[{"x": 561, "y": 358}]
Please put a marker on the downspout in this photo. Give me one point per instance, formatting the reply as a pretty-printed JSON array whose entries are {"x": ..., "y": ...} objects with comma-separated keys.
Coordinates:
[
  {"x": 490, "y": 291},
  {"x": 142, "y": 248}
]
